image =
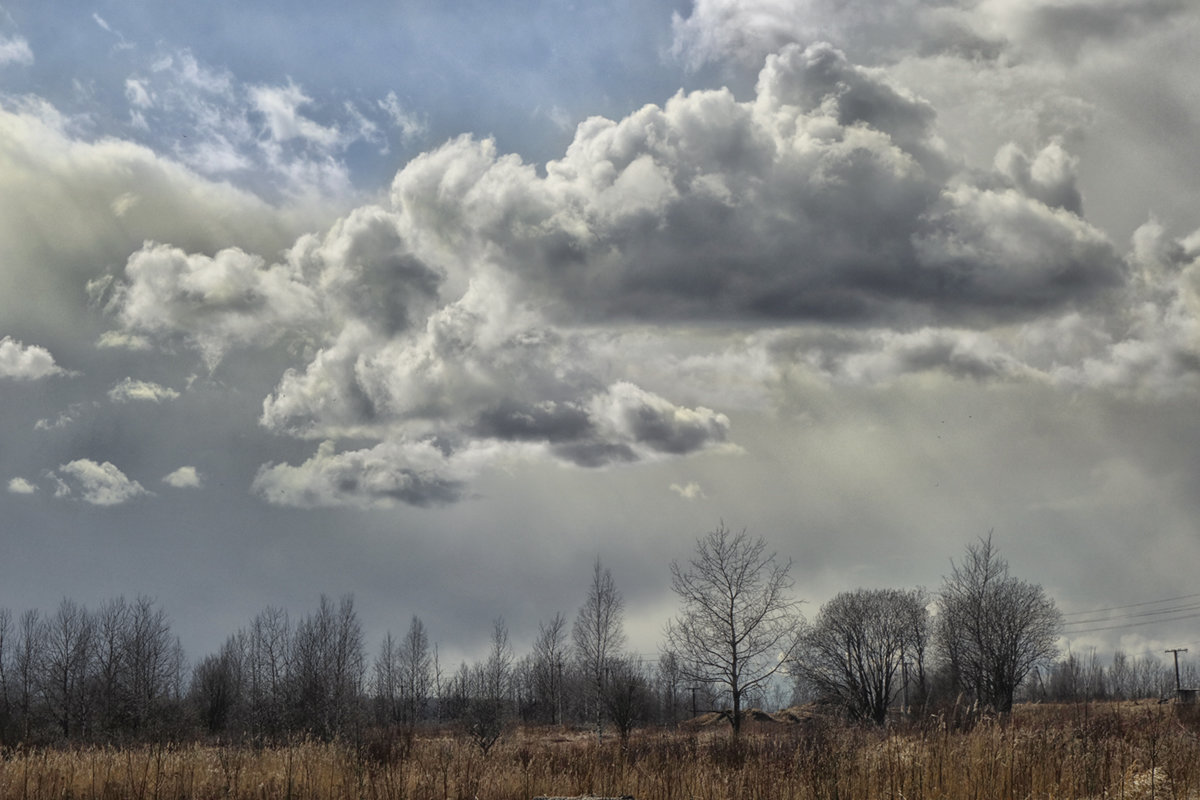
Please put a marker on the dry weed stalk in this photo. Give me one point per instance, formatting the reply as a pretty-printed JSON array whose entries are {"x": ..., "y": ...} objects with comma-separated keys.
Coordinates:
[{"x": 1047, "y": 752}]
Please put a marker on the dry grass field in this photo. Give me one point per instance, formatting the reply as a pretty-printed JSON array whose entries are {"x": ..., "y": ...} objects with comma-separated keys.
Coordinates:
[{"x": 1095, "y": 751}]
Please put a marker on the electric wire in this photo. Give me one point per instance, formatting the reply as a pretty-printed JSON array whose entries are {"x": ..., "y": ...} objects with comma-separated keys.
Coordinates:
[
  {"x": 1141, "y": 615},
  {"x": 1132, "y": 605}
]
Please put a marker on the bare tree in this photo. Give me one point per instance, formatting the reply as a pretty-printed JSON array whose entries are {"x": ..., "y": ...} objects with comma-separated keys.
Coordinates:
[
  {"x": 150, "y": 666},
  {"x": 7, "y": 630},
  {"x": 854, "y": 653},
  {"x": 992, "y": 628},
  {"x": 111, "y": 622},
  {"x": 598, "y": 634},
  {"x": 26, "y": 668},
  {"x": 485, "y": 708},
  {"x": 386, "y": 682},
  {"x": 627, "y": 696},
  {"x": 416, "y": 671},
  {"x": 549, "y": 655},
  {"x": 268, "y": 666},
  {"x": 738, "y": 626},
  {"x": 328, "y": 667},
  {"x": 67, "y": 659},
  {"x": 218, "y": 684},
  {"x": 670, "y": 685}
]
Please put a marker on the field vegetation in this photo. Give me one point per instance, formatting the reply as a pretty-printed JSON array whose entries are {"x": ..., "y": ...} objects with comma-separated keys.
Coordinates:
[
  {"x": 1097, "y": 750},
  {"x": 965, "y": 693}
]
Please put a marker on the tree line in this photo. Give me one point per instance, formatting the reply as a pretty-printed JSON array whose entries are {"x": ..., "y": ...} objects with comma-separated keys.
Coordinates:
[{"x": 118, "y": 673}]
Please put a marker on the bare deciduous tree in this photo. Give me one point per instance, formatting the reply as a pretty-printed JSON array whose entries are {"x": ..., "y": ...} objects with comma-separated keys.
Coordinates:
[
  {"x": 855, "y": 650},
  {"x": 549, "y": 655},
  {"x": 670, "y": 686},
  {"x": 486, "y": 706},
  {"x": 67, "y": 657},
  {"x": 6, "y": 701},
  {"x": 386, "y": 682},
  {"x": 328, "y": 665},
  {"x": 992, "y": 628},
  {"x": 218, "y": 686},
  {"x": 26, "y": 668},
  {"x": 627, "y": 695},
  {"x": 416, "y": 671},
  {"x": 598, "y": 634},
  {"x": 738, "y": 626}
]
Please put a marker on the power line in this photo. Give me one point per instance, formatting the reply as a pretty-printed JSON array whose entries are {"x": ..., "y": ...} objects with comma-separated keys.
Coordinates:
[
  {"x": 1132, "y": 605},
  {"x": 1133, "y": 624},
  {"x": 1139, "y": 615}
]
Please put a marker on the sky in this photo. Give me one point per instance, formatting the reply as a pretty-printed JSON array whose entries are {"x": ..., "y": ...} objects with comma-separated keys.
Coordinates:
[{"x": 435, "y": 303}]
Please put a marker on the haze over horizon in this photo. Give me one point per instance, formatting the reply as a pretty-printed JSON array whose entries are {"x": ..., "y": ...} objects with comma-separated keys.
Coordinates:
[{"x": 436, "y": 303}]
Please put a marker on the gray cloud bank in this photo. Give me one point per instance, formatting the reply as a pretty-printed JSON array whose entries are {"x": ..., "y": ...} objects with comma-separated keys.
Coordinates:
[{"x": 470, "y": 320}]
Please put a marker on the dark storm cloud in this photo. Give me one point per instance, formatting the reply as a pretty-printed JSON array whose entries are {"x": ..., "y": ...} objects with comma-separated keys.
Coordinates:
[{"x": 546, "y": 421}]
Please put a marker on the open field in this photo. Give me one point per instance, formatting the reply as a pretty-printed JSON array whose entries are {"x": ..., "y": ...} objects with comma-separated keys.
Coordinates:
[{"x": 1096, "y": 751}]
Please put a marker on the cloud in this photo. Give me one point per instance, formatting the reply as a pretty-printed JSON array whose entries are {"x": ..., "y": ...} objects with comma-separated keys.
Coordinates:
[
  {"x": 828, "y": 197},
  {"x": 21, "y": 486},
  {"x": 137, "y": 93},
  {"x": 413, "y": 473},
  {"x": 99, "y": 484},
  {"x": 464, "y": 320},
  {"x": 1146, "y": 346},
  {"x": 276, "y": 140},
  {"x": 15, "y": 50},
  {"x": 184, "y": 478},
  {"x": 883, "y": 356},
  {"x": 744, "y": 32},
  {"x": 280, "y": 106},
  {"x": 70, "y": 208},
  {"x": 213, "y": 303},
  {"x": 689, "y": 491},
  {"x": 65, "y": 418},
  {"x": 410, "y": 125},
  {"x": 26, "y": 363},
  {"x": 130, "y": 390},
  {"x": 1050, "y": 176},
  {"x": 627, "y": 413}
]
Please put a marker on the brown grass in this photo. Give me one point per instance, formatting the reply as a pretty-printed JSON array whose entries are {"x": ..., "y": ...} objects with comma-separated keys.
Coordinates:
[{"x": 1097, "y": 751}]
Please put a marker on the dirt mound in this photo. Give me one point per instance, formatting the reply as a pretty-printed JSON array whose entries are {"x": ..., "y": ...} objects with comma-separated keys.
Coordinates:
[{"x": 796, "y": 715}]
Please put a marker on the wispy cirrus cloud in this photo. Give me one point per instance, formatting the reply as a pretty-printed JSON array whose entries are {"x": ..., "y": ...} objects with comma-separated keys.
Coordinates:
[{"x": 15, "y": 50}]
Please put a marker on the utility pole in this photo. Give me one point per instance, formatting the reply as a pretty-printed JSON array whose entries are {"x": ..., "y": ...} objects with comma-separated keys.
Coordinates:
[{"x": 1176, "y": 653}]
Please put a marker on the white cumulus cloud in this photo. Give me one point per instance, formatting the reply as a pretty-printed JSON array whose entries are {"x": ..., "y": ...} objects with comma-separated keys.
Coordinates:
[
  {"x": 101, "y": 484},
  {"x": 184, "y": 478},
  {"x": 147, "y": 391},
  {"x": 21, "y": 486},
  {"x": 26, "y": 362}
]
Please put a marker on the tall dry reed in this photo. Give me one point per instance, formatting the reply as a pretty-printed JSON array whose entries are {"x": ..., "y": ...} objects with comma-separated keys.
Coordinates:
[{"x": 1053, "y": 752}]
